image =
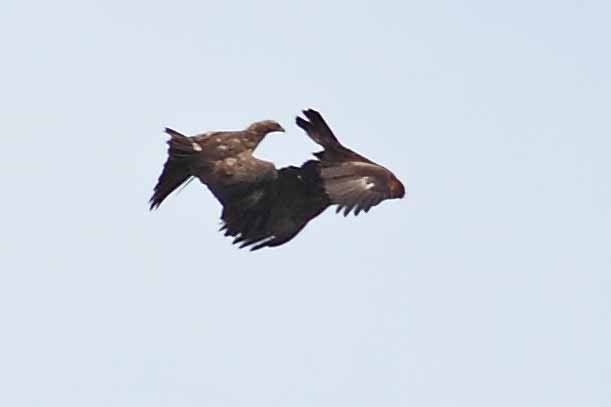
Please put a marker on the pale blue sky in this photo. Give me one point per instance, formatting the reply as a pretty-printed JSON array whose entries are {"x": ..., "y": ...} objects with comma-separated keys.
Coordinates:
[{"x": 488, "y": 286}]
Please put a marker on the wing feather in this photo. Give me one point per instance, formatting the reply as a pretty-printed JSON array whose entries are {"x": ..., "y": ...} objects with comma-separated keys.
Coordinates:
[
  {"x": 352, "y": 182},
  {"x": 356, "y": 186}
]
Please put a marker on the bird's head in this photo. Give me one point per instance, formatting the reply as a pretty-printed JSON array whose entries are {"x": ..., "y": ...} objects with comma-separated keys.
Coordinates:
[
  {"x": 264, "y": 127},
  {"x": 397, "y": 190}
]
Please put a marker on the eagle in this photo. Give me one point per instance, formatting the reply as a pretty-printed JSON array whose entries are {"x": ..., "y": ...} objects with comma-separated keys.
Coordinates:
[{"x": 264, "y": 206}]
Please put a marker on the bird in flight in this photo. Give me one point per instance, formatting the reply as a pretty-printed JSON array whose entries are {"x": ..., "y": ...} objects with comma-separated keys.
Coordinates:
[{"x": 264, "y": 206}]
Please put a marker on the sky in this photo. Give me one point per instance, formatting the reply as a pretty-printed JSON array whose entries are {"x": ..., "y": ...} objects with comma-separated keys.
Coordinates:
[{"x": 489, "y": 284}]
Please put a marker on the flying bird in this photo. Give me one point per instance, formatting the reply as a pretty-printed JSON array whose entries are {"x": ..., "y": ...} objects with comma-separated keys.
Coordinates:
[
  {"x": 222, "y": 160},
  {"x": 264, "y": 206},
  {"x": 350, "y": 180}
]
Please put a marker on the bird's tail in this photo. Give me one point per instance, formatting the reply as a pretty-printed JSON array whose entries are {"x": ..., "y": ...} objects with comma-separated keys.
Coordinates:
[
  {"x": 318, "y": 129},
  {"x": 176, "y": 170}
]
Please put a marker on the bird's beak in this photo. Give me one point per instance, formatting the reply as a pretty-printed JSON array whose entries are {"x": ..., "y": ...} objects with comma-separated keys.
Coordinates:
[{"x": 281, "y": 129}]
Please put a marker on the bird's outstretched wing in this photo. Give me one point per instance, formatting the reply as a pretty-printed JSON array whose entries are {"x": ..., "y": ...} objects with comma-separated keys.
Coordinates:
[
  {"x": 274, "y": 212},
  {"x": 358, "y": 186},
  {"x": 351, "y": 181}
]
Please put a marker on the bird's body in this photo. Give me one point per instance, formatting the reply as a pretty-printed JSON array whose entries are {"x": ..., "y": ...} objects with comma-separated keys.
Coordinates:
[
  {"x": 266, "y": 207},
  {"x": 220, "y": 160}
]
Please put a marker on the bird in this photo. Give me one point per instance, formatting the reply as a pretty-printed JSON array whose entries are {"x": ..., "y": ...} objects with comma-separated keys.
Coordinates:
[
  {"x": 264, "y": 206},
  {"x": 222, "y": 160},
  {"x": 351, "y": 181}
]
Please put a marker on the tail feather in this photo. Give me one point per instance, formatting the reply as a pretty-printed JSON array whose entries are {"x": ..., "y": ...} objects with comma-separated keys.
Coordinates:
[
  {"x": 174, "y": 133},
  {"x": 176, "y": 170},
  {"x": 318, "y": 129}
]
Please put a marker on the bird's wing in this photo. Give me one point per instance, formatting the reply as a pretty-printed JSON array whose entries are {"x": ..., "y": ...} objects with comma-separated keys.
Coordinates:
[
  {"x": 358, "y": 186},
  {"x": 351, "y": 181},
  {"x": 217, "y": 145},
  {"x": 235, "y": 177},
  {"x": 274, "y": 212}
]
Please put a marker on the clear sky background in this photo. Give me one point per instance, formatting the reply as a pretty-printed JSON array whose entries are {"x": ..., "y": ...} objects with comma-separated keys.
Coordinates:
[{"x": 489, "y": 285}]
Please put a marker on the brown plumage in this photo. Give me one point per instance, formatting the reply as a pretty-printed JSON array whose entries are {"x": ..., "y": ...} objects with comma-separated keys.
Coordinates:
[
  {"x": 222, "y": 160},
  {"x": 350, "y": 180},
  {"x": 266, "y": 207},
  {"x": 273, "y": 212}
]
